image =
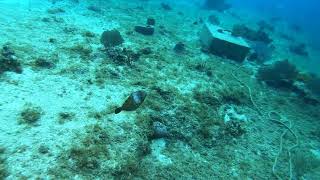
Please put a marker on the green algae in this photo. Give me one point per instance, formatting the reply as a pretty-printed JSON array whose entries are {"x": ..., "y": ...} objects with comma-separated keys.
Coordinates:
[
  {"x": 3, "y": 166},
  {"x": 30, "y": 114}
]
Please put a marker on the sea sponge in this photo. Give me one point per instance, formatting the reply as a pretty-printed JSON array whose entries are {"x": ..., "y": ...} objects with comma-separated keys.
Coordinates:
[
  {"x": 111, "y": 38},
  {"x": 280, "y": 74}
]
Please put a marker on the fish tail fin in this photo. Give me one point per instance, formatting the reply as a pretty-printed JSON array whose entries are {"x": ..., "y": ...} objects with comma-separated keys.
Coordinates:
[{"x": 118, "y": 110}]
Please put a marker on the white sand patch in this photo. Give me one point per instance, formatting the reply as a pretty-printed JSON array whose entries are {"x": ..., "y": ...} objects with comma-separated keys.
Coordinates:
[
  {"x": 157, "y": 147},
  {"x": 54, "y": 94}
]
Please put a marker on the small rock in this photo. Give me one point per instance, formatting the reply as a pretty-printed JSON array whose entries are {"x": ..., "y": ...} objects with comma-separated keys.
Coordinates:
[
  {"x": 94, "y": 8},
  {"x": 52, "y": 40},
  {"x": 55, "y": 10},
  {"x": 145, "y": 51},
  {"x": 145, "y": 30},
  {"x": 43, "y": 63},
  {"x": 151, "y": 21},
  {"x": 179, "y": 47},
  {"x": 159, "y": 130},
  {"x": 43, "y": 149},
  {"x": 166, "y": 7}
]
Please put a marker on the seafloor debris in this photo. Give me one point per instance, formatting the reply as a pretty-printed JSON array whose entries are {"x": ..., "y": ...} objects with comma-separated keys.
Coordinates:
[
  {"x": 111, "y": 38},
  {"x": 145, "y": 30},
  {"x": 133, "y": 101},
  {"x": 8, "y": 60},
  {"x": 220, "y": 42}
]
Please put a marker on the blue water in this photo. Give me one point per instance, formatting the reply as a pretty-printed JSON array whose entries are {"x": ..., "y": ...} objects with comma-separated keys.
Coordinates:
[{"x": 302, "y": 13}]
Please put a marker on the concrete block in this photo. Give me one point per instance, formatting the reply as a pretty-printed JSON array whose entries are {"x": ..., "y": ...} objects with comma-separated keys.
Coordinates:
[{"x": 220, "y": 42}]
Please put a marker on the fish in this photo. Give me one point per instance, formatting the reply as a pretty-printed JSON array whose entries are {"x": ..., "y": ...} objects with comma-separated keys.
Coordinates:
[{"x": 133, "y": 102}]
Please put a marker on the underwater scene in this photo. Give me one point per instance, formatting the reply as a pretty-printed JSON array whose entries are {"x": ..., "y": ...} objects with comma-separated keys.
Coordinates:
[{"x": 160, "y": 89}]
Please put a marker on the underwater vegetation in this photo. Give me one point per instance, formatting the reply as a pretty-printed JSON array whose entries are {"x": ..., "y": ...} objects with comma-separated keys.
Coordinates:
[
  {"x": 30, "y": 114},
  {"x": 99, "y": 152},
  {"x": 280, "y": 74},
  {"x": 8, "y": 60},
  {"x": 131, "y": 91},
  {"x": 250, "y": 34},
  {"x": 3, "y": 166},
  {"x": 299, "y": 49}
]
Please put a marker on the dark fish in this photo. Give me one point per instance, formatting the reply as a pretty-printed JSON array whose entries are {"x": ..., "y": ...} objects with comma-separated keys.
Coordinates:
[{"x": 133, "y": 102}]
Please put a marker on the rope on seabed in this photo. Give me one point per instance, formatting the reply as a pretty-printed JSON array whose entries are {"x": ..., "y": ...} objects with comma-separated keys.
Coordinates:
[
  {"x": 249, "y": 90},
  {"x": 288, "y": 128}
]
